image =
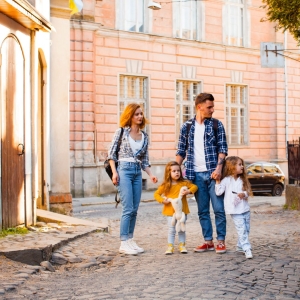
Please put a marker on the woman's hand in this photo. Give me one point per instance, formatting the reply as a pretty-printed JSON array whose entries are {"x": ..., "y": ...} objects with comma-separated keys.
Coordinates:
[
  {"x": 153, "y": 178},
  {"x": 115, "y": 178}
]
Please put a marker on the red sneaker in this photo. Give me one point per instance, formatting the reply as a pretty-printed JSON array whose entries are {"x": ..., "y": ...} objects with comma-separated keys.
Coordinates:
[
  {"x": 205, "y": 247},
  {"x": 221, "y": 248}
]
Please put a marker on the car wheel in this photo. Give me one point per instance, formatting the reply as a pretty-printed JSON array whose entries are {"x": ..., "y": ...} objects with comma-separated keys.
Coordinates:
[{"x": 277, "y": 190}]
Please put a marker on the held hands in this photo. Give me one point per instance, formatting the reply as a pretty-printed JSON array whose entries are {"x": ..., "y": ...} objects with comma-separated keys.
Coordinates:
[{"x": 216, "y": 174}]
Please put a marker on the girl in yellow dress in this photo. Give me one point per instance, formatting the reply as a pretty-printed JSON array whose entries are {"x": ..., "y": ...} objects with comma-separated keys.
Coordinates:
[{"x": 173, "y": 181}]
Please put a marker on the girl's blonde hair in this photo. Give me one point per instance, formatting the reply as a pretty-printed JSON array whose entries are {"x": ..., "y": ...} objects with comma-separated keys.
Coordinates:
[
  {"x": 128, "y": 113},
  {"x": 230, "y": 169},
  {"x": 167, "y": 183}
]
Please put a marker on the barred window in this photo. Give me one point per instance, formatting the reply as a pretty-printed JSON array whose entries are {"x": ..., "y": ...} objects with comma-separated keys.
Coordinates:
[
  {"x": 186, "y": 92},
  {"x": 133, "y": 89},
  {"x": 236, "y": 115}
]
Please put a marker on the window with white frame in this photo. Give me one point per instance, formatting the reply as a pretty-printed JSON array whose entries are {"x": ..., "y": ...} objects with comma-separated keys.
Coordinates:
[
  {"x": 236, "y": 115},
  {"x": 186, "y": 19},
  {"x": 133, "y": 89},
  {"x": 186, "y": 92},
  {"x": 235, "y": 22},
  {"x": 131, "y": 15}
]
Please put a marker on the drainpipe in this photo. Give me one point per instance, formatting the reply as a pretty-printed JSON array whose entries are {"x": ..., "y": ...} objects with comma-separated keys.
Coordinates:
[
  {"x": 32, "y": 130},
  {"x": 286, "y": 94}
]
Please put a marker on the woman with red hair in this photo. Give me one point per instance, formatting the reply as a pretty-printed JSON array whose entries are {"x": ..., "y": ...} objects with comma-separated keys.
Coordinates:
[{"x": 132, "y": 157}]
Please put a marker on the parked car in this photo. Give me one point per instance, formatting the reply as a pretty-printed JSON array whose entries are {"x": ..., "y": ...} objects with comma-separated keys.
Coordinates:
[{"x": 266, "y": 177}]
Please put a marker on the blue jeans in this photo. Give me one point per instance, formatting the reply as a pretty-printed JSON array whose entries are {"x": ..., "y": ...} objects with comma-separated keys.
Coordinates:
[
  {"x": 205, "y": 194},
  {"x": 130, "y": 189},
  {"x": 242, "y": 225},
  {"x": 172, "y": 233}
]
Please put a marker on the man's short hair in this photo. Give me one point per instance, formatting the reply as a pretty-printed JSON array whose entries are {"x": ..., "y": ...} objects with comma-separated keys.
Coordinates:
[{"x": 201, "y": 98}]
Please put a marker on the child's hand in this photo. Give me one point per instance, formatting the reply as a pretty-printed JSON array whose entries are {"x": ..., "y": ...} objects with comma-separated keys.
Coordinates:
[
  {"x": 218, "y": 181},
  {"x": 186, "y": 192},
  {"x": 166, "y": 200},
  {"x": 241, "y": 195}
]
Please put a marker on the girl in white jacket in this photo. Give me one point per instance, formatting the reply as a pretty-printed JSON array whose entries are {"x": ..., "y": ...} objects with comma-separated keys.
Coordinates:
[{"x": 237, "y": 189}]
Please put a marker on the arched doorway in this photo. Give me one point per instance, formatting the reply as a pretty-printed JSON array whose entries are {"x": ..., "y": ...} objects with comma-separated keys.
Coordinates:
[{"x": 12, "y": 133}]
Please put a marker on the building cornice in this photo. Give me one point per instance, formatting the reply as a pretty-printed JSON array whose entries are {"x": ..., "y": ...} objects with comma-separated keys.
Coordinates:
[
  {"x": 147, "y": 37},
  {"x": 60, "y": 9},
  {"x": 24, "y": 13},
  {"x": 86, "y": 25}
]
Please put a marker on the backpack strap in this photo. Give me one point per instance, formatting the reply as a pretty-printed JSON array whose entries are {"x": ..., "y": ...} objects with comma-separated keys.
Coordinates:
[
  {"x": 188, "y": 128},
  {"x": 119, "y": 141},
  {"x": 117, "y": 200},
  {"x": 215, "y": 127}
]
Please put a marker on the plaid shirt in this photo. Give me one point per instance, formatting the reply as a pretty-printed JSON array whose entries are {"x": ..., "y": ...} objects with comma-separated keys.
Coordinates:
[
  {"x": 126, "y": 151},
  {"x": 211, "y": 147}
]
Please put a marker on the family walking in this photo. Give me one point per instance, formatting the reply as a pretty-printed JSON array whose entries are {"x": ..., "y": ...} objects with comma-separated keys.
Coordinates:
[{"x": 210, "y": 176}]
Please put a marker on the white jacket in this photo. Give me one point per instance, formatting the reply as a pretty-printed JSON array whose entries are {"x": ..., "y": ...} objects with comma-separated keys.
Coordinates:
[{"x": 230, "y": 185}]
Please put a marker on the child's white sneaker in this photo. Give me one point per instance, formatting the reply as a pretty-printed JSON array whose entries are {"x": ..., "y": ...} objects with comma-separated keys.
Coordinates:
[
  {"x": 170, "y": 249},
  {"x": 125, "y": 248},
  {"x": 239, "y": 249},
  {"x": 134, "y": 246},
  {"x": 248, "y": 253}
]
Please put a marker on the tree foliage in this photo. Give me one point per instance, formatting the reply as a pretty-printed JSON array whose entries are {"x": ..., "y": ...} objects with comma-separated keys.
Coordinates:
[{"x": 286, "y": 14}]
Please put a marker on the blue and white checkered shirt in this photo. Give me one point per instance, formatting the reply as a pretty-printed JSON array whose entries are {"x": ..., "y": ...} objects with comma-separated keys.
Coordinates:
[
  {"x": 211, "y": 147},
  {"x": 125, "y": 151}
]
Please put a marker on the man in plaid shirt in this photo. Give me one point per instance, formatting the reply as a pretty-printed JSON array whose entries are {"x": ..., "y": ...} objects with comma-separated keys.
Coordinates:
[{"x": 205, "y": 148}]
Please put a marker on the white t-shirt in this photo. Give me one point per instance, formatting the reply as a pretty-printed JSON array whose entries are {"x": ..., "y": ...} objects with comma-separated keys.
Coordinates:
[
  {"x": 230, "y": 185},
  {"x": 199, "y": 154},
  {"x": 135, "y": 147}
]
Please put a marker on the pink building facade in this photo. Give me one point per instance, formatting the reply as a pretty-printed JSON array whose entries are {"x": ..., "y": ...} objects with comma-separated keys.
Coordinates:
[{"x": 122, "y": 51}]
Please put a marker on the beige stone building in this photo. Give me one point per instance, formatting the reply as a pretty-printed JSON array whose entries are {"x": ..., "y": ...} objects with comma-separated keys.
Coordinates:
[{"x": 122, "y": 51}]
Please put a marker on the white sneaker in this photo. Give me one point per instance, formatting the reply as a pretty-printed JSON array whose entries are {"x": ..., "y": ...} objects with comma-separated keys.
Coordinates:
[
  {"x": 248, "y": 253},
  {"x": 134, "y": 246},
  {"x": 127, "y": 249}
]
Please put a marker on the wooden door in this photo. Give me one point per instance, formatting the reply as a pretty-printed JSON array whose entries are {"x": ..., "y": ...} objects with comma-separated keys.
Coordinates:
[{"x": 12, "y": 134}]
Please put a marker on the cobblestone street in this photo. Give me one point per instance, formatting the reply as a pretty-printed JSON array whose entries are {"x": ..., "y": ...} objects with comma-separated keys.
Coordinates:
[{"x": 98, "y": 271}]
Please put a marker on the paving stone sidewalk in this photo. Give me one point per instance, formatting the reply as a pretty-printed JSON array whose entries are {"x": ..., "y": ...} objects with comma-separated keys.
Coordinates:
[{"x": 98, "y": 271}]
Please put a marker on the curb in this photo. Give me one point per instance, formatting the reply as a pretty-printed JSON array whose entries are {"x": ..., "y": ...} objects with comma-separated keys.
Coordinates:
[{"x": 36, "y": 256}]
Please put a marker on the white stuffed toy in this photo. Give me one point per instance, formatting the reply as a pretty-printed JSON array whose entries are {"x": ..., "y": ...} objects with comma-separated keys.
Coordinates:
[{"x": 179, "y": 215}]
